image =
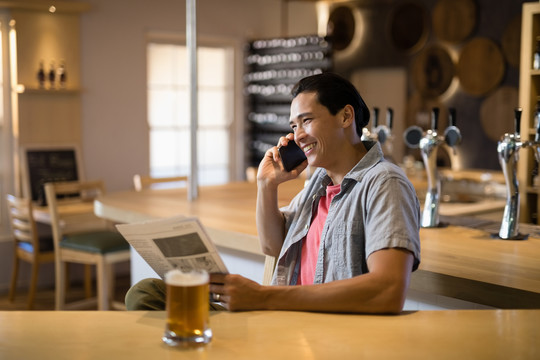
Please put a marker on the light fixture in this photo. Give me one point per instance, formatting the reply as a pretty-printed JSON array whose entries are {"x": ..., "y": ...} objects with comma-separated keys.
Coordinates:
[{"x": 52, "y": 9}]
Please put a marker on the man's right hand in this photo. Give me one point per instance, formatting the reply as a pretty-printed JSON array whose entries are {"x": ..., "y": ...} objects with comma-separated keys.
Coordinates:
[{"x": 271, "y": 170}]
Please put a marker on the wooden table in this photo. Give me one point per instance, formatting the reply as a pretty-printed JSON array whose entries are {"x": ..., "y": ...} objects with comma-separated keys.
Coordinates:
[
  {"x": 75, "y": 217},
  {"x": 458, "y": 262},
  {"x": 227, "y": 210},
  {"x": 456, "y": 334},
  {"x": 75, "y": 210}
]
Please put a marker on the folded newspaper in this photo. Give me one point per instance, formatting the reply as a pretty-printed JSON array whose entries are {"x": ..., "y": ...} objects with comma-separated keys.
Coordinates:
[{"x": 176, "y": 242}]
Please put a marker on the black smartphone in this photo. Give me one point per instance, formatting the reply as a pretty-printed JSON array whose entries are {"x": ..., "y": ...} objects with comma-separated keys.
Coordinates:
[{"x": 291, "y": 155}]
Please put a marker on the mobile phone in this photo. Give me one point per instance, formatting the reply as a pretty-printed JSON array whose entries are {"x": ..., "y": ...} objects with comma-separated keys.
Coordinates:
[{"x": 291, "y": 155}]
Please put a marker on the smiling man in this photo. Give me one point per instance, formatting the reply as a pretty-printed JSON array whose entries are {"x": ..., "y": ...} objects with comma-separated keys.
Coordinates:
[{"x": 349, "y": 240}]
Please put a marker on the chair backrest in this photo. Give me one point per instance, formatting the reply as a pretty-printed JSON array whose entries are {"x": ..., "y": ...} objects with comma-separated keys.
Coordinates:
[
  {"x": 23, "y": 226},
  {"x": 71, "y": 207},
  {"x": 269, "y": 267},
  {"x": 144, "y": 182},
  {"x": 251, "y": 174}
]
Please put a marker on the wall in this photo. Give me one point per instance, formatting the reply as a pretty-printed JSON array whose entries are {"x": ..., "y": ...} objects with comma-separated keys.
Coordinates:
[
  {"x": 113, "y": 46},
  {"x": 113, "y": 79},
  {"x": 482, "y": 117}
]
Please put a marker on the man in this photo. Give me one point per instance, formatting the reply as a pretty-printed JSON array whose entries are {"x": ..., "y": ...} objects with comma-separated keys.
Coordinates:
[{"x": 350, "y": 239}]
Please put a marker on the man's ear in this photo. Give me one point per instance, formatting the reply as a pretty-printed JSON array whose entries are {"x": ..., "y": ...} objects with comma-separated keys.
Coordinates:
[{"x": 348, "y": 116}]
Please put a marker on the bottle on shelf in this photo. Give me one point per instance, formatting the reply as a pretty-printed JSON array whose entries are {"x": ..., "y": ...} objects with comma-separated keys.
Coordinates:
[
  {"x": 536, "y": 55},
  {"x": 62, "y": 76},
  {"x": 52, "y": 76},
  {"x": 537, "y": 119},
  {"x": 41, "y": 75}
]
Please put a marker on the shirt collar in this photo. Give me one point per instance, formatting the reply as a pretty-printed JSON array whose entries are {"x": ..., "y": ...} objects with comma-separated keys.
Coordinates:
[{"x": 373, "y": 156}]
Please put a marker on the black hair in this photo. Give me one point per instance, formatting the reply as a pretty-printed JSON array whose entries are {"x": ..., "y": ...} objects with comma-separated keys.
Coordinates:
[{"x": 334, "y": 92}]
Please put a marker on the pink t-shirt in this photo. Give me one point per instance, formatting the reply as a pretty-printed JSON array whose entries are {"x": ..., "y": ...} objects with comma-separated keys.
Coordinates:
[{"x": 311, "y": 243}]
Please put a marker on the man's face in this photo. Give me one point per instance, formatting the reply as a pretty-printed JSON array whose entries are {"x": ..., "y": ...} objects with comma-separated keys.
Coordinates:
[{"x": 316, "y": 131}]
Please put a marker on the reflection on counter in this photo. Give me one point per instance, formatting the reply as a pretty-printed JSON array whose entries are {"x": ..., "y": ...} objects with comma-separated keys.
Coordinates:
[
  {"x": 428, "y": 142},
  {"x": 463, "y": 192}
]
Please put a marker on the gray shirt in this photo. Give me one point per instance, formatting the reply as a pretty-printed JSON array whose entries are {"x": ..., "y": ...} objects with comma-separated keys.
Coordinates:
[{"x": 377, "y": 208}]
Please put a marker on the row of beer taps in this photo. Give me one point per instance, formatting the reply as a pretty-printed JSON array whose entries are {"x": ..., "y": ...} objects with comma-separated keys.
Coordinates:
[{"x": 508, "y": 153}]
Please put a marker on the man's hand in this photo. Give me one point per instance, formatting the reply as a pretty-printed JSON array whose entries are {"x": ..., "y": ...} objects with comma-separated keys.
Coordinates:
[
  {"x": 237, "y": 292},
  {"x": 271, "y": 170}
]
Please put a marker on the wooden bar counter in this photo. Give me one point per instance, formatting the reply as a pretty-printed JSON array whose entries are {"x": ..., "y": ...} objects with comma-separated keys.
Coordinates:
[
  {"x": 457, "y": 261},
  {"x": 456, "y": 334}
]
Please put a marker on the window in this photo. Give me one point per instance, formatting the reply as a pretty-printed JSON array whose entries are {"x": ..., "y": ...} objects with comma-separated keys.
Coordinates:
[
  {"x": 168, "y": 111},
  {"x": 7, "y": 155}
]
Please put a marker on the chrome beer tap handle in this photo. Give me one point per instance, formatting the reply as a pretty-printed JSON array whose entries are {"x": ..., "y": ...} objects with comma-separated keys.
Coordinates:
[
  {"x": 375, "y": 122},
  {"x": 384, "y": 132},
  {"x": 452, "y": 135},
  {"x": 428, "y": 149},
  {"x": 371, "y": 135},
  {"x": 508, "y": 153}
]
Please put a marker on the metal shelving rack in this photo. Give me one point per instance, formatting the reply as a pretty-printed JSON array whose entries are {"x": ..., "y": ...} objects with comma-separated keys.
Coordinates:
[{"x": 273, "y": 66}]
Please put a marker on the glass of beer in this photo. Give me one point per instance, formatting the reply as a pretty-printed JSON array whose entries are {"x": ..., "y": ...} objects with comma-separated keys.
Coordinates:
[{"x": 187, "y": 309}]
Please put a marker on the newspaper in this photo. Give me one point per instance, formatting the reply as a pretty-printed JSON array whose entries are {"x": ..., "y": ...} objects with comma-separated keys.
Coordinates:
[{"x": 176, "y": 242}]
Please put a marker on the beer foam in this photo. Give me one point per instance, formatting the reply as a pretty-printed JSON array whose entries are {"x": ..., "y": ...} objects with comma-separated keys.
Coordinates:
[{"x": 180, "y": 278}]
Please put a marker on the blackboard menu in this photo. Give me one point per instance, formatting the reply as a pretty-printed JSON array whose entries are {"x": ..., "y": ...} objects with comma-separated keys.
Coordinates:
[{"x": 49, "y": 165}]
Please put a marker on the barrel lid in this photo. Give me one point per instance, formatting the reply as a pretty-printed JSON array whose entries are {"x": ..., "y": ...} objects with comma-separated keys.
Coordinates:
[
  {"x": 341, "y": 27},
  {"x": 454, "y": 20},
  {"x": 433, "y": 71},
  {"x": 408, "y": 26},
  {"x": 481, "y": 66},
  {"x": 497, "y": 112}
]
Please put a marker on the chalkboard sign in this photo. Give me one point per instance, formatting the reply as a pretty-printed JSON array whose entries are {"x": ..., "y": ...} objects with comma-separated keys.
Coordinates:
[{"x": 48, "y": 165}]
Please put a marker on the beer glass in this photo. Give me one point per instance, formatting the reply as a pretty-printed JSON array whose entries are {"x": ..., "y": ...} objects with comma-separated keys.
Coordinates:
[{"x": 187, "y": 309}]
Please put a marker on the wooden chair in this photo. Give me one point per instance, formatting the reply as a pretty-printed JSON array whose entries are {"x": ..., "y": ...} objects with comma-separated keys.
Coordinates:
[
  {"x": 269, "y": 267},
  {"x": 251, "y": 174},
  {"x": 30, "y": 245},
  {"x": 84, "y": 239},
  {"x": 144, "y": 182}
]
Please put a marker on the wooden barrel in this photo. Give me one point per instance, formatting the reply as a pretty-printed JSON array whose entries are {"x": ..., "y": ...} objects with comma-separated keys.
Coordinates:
[
  {"x": 481, "y": 66},
  {"x": 408, "y": 26},
  {"x": 433, "y": 71},
  {"x": 454, "y": 20},
  {"x": 511, "y": 41},
  {"x": 497, "y": 112},
  {"x": 341, "y": 27}
]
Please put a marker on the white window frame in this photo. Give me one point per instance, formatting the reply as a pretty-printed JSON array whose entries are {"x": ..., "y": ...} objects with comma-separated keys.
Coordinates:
[
  {"x": 236, "y": 128},
  {"x": 8, "y": 141}
]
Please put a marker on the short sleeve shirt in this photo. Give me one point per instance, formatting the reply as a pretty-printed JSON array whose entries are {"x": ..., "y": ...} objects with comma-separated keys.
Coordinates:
[{"x": 376, "y": 208}]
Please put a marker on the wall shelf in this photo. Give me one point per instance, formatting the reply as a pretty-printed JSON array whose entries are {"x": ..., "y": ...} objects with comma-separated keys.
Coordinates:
[
  {"x": 273, "y": 67},
  {"x": 529, "y": 91},
  {"x": 28, "y": 90}
]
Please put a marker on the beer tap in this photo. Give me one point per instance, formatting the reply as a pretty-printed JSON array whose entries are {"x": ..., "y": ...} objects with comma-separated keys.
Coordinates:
[
  {"x": 508, "y": 151},
  {"x": 428, "y": 149},
  {"x": 384, "y": 132},
  {"x": 380, "y": 133},
  {"x": 429, "y": 143},
  {"x": 368, "y": 135},
  {"x": 375, "y": 117}
]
